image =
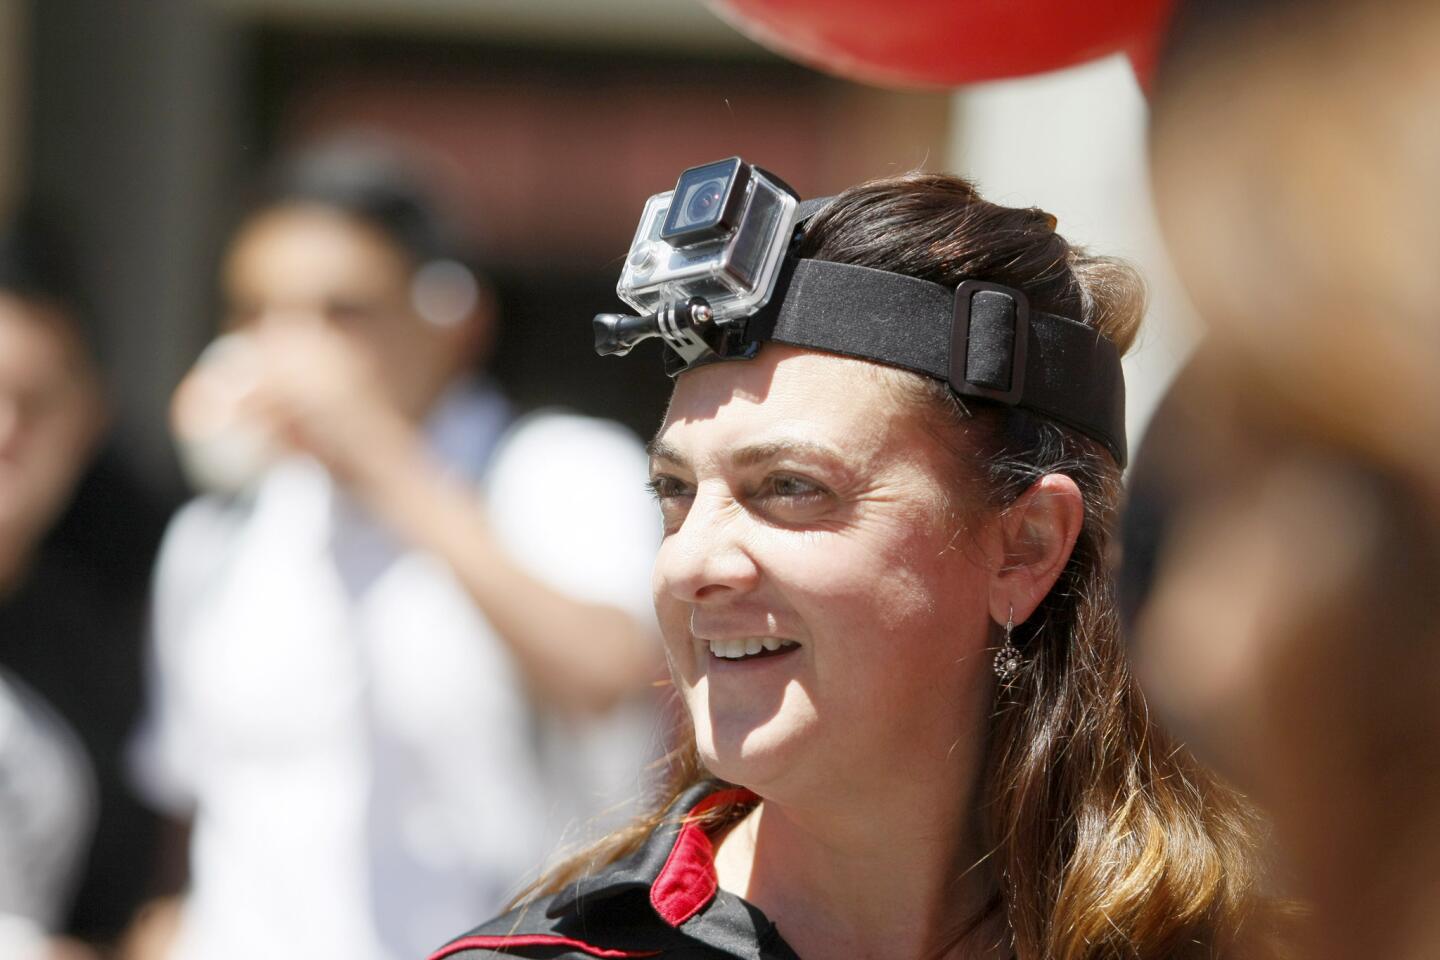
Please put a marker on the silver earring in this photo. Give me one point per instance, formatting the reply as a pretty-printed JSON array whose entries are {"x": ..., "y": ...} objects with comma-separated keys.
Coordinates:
[{"x": 1008, "y": 660}]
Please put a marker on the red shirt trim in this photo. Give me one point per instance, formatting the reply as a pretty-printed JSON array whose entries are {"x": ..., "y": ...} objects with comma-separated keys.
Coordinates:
[
  {"x": 536, "y": 940},
  {"x": 687, "y": 882}
]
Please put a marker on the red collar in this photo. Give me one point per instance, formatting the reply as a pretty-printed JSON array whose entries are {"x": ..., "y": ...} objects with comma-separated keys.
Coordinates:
[
  {"x": 676, "y": 864},
  {"x": 687, "y": 881},
  {"x": 662, "y": 900}
]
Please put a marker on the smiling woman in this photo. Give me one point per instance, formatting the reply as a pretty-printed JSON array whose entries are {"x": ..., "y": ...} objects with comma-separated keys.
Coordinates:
[
  {"x": 826, "y": 527},
  {"x": 887, "y": 611}
]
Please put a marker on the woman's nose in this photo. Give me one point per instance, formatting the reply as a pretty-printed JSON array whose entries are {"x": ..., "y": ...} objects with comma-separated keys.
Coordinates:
[{"x": 708, "y": 559}]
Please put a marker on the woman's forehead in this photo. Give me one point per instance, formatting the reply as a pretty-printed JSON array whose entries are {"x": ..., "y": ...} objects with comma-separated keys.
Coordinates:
[{"x": 784, "y": 397}]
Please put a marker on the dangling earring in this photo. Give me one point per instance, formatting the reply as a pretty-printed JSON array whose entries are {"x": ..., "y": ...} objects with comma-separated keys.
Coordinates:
[{"x": 1008, "y": 660}]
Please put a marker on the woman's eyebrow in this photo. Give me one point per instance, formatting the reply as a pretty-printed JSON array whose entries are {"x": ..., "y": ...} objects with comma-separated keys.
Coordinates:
[
  {"x": 749, "y": 455},
  {"x": 763, "y": 452},
  {"x": 660, "y": 450}
]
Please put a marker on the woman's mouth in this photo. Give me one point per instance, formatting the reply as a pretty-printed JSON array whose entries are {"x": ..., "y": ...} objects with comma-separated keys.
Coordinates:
[{"x": 745, "y": 648}]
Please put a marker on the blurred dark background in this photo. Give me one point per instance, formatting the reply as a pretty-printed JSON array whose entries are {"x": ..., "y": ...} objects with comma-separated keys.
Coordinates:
[{"x": 142, "y": 123}]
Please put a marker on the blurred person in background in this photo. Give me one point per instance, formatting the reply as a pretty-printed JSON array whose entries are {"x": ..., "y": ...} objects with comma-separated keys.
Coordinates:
[
  {"x": 76, "y": 542},
  {"x": 383, "y": 661},
  {"x": 1283, "y": 540}
]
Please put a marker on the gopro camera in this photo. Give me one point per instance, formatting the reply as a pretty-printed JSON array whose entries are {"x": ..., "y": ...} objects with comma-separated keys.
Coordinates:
[{"x": 705, "y": 257}]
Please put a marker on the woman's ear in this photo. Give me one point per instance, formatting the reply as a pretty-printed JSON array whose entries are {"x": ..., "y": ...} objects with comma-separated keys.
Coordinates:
[{"x": 1037, "y": 533}]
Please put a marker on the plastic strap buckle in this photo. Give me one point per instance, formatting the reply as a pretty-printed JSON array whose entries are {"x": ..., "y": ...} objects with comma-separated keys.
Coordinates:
[{"x": 989, "y": 342}]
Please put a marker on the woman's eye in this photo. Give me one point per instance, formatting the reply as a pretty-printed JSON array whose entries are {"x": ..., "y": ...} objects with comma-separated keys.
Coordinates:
[
  {"x": 674, "y": 496},
  {"x": 664, "y": 488},
  {"x": 791, "y": 496},
  {"x": 783, "y": 486}
]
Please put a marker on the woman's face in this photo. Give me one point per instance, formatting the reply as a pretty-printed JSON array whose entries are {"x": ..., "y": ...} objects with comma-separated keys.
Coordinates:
[{"x": 810, "y": 516}]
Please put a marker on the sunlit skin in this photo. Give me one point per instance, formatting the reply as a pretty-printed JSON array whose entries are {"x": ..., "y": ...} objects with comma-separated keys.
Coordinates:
[
  {"x": 51, "y": 414},
  {"x": 825, "y": 524},
  {"x": 803, "y": 502}
]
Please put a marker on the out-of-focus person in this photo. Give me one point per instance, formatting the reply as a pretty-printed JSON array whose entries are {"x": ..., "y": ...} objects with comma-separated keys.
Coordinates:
[
  {"x": 76, "y": 541},
  {"x": 387, "y": 661},
  {"x": 1283, "y": 543}
]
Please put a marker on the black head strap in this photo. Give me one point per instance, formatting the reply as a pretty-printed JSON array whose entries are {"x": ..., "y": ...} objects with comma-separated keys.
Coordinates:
[
  {"x": 808, "y": 209},
  {"x": 981, "y": 338}
]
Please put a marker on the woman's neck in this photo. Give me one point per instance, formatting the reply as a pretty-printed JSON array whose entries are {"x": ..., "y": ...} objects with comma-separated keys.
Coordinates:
[{"x": 889, "y": 879}]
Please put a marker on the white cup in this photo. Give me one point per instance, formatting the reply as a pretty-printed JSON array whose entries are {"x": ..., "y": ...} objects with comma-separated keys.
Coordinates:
[{"x": 221, "y": 447}]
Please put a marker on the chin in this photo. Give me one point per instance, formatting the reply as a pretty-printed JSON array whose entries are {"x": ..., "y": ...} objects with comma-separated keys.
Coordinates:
[{"x": 758, "y": 755}]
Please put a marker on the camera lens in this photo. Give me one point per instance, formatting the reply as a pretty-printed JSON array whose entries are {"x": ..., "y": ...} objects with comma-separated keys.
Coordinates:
[
  {"x": 705, "y": 201},
  {"x": 706, "y": 204}
]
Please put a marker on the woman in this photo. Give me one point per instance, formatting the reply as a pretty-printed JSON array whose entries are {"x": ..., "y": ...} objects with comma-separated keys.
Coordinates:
[{"x": 846, "y": 545}]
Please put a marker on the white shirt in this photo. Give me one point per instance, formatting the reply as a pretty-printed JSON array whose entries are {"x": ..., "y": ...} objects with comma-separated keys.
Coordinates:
[
  {"x": 367, "y": 775},
  {"x": 47, "y": 811}
]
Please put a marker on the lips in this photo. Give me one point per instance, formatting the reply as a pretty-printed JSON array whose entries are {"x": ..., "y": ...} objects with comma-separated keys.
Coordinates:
[{"x": 739, "y": 648}]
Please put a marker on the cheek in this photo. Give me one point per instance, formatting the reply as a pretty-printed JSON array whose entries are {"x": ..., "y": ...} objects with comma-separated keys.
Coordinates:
[
  {"x": 896, "y": 620},
  {"x": 895, "y": 576},
  {"x": 673, "y": 617}
]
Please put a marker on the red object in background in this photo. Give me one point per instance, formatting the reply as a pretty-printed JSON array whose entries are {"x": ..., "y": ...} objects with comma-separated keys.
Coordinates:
[{"x": 942, "y": 43}]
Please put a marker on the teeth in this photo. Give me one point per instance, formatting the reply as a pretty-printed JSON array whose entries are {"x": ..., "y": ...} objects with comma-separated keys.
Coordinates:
[
  {"x": 739, "y": 648},
  {"x": 729, "y": 649}
]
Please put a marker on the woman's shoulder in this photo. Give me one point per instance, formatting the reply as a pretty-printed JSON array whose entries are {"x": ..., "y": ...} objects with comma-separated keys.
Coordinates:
[
  {"x": 662, "y": 900},
  {"x": 550, "y": 928}
]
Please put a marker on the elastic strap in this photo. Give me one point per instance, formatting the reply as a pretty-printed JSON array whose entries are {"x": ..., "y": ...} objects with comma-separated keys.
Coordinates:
[{"x": 1043, "y": 362}]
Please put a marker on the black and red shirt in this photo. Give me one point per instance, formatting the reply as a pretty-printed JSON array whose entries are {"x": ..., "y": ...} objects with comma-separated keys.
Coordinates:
[{"x": 661, "y": 901}]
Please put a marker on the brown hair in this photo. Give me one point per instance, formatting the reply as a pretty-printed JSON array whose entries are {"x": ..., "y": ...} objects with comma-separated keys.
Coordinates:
[{"x": 1107, "y": 839}]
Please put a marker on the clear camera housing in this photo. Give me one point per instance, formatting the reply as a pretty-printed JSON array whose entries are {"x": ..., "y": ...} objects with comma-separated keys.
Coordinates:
[{"x": 731, "y": 261}]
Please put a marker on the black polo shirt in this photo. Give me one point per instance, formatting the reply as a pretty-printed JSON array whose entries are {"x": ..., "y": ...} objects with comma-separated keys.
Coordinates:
[{"x": 661, "y": 901}]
